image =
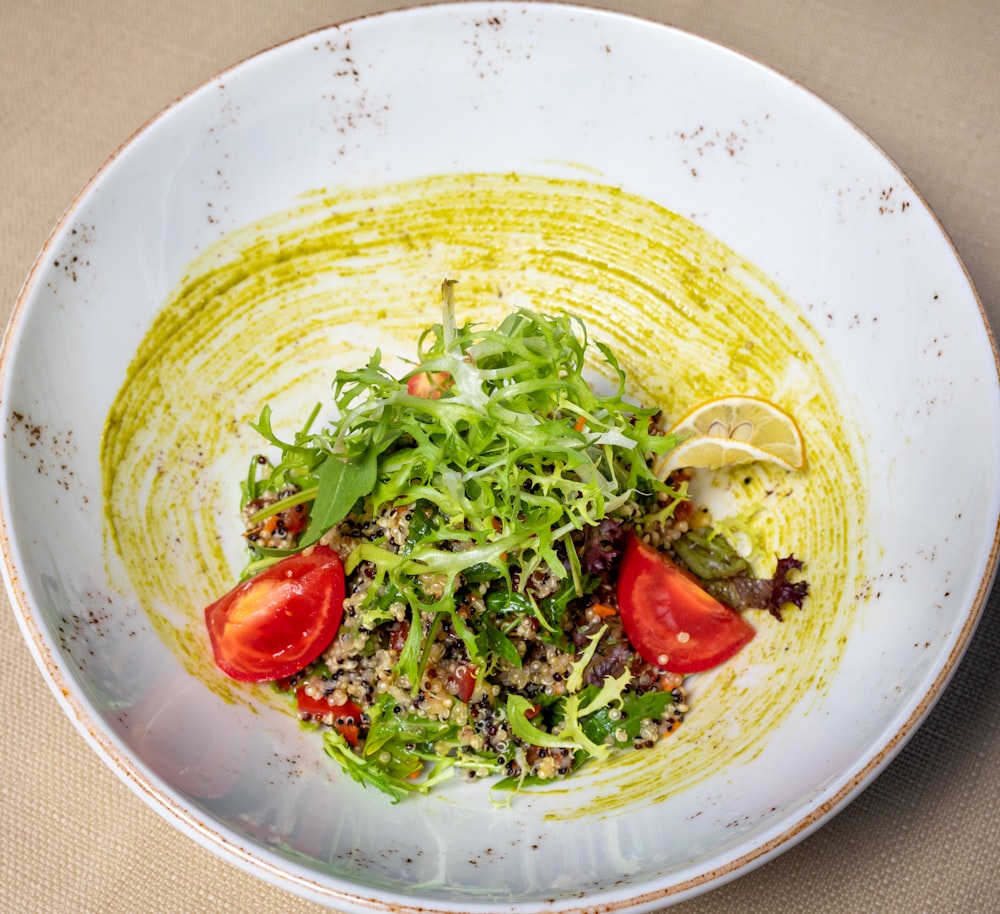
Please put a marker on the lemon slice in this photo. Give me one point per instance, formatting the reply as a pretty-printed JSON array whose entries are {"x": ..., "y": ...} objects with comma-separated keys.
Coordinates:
[{"x": 734, "y": 430}]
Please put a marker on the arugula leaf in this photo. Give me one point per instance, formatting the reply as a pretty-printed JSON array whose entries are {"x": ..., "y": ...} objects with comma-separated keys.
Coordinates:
[
  {"x": 393, "y": 730},
  {"x": 481, "y": 572},
  {"x": 493, "y": 642},
  {"x": 502, "y": 601},
  {"x": 340, "y": 485},
  {"x": 624, "y": 726},
  {"x": 553, "y": 609}
]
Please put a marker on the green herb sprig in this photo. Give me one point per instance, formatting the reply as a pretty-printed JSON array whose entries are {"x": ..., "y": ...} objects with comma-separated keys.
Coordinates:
[{"x": 514, "y": 454}]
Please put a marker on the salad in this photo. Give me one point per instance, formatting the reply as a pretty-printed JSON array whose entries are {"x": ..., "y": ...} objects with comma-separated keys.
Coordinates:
[{"x": 484, "y": 568}]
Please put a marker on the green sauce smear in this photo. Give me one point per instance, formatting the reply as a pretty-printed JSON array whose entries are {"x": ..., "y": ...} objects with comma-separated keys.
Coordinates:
[{"x": 271, "y": 311}]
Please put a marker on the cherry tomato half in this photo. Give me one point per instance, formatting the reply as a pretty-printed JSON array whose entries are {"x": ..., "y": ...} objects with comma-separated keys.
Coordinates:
[
  {"x": 668, "y": 616},
  {"x": 462, "y": 681},
  {"x": 429, "y": 384},
  {"x": 279, "y": 621},
  {"x": 346, "y": 717}
]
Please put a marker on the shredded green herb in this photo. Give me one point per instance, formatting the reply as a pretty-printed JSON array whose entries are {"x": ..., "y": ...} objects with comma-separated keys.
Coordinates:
[
  {"x": 515, "y": 454},
  {"x": 479, "y": 503}
]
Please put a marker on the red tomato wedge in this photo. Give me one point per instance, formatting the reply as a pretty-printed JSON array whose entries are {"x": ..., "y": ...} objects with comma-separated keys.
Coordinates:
[
  {"x": 668, "y": 616},
  {"x": 279, "y": 621},
  {"x": 462, "y": 681}
]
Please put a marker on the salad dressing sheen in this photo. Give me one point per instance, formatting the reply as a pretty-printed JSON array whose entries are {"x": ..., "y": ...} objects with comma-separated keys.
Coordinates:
[{"x": 270, "y": 312}]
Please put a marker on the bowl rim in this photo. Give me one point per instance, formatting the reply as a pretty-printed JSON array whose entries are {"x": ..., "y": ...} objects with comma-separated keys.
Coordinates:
[{"x": 288, "y": 875}]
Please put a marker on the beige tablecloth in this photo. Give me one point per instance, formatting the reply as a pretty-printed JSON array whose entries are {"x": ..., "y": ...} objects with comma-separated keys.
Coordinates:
[{"x": 921, "y": 78}]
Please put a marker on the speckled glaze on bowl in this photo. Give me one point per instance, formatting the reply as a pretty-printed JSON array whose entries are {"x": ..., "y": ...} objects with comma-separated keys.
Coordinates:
[{"x": 504, "y": 89}]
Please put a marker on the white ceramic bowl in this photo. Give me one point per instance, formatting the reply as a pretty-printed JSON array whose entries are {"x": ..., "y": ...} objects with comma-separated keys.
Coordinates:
[{"x": 633, "y": 156}]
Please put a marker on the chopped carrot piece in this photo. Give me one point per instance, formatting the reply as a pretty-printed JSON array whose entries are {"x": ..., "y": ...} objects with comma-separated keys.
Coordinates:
[
  {"x": 603, "y": 610},
  {"x": 581, "y": 424}
]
